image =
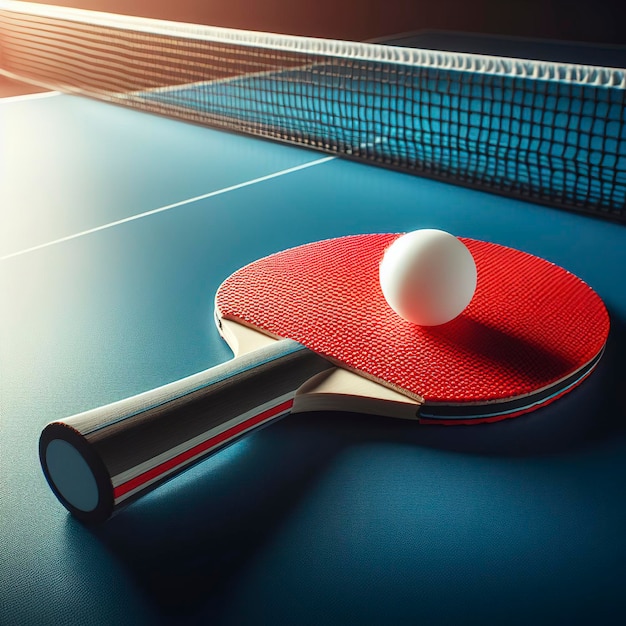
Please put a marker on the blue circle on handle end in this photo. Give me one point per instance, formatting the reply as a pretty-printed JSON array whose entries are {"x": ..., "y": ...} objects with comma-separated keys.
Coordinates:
[{"x": 71, "y": 475}]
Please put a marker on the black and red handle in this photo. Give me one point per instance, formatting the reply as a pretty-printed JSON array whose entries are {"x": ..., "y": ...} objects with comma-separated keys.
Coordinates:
[{"x": 98, "y": 461}]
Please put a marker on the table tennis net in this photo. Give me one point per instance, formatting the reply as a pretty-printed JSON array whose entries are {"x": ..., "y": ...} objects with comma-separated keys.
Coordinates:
[{"x": 546, "y": 132}]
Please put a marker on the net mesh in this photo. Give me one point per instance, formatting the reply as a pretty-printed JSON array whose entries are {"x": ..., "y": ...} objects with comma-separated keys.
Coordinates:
[{"x": 547, "y": 132}]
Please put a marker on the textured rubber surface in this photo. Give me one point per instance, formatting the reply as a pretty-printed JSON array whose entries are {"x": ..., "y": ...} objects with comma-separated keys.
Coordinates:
[{"x": 529, "y": 325}]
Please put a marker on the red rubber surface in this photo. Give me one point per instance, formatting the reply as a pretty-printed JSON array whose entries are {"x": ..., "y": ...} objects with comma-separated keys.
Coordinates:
[{"x": 530, "y": 323}]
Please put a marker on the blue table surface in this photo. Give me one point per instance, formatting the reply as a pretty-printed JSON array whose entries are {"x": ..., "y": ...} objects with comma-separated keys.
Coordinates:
[{"x": 117, "y": 228}]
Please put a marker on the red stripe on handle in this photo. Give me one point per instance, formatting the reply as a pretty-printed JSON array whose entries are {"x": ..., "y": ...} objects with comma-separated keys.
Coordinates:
[{"x": 183, "y": 457}]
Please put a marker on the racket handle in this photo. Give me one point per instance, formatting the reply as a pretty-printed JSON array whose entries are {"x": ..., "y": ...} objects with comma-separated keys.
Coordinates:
[{"x": 98, "y": 461}]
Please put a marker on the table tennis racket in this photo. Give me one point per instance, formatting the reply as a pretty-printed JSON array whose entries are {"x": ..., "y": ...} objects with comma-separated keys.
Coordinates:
[{"x": 311, "y": 330}]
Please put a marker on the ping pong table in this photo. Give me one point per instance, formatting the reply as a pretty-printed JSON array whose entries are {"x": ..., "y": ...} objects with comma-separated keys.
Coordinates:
[{"x": 117, "y": 228}]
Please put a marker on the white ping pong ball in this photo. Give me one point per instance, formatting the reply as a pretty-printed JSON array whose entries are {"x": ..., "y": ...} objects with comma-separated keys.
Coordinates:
[{"x": 428, "y": 277}]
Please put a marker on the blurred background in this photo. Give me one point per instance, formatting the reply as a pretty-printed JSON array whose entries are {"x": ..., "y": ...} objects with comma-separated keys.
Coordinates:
[
  {"x": 597, "y": 21},
  {"x": 590, "y": 21}
]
